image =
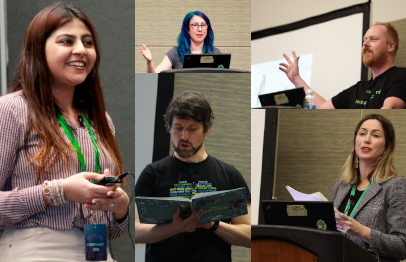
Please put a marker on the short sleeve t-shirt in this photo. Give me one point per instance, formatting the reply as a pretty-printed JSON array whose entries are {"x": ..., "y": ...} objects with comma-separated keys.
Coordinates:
[
  {"x": 175, "y": 59},
  {"x": 372, "y": 94},
  {"x": 165, "y": 178}
]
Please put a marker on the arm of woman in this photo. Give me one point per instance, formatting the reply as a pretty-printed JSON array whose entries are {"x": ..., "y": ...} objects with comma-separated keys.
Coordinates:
[
  {"x": 18, "y": 204},
  {"x": 393, "y": 243},
  {"x": 164, "y": 65}
]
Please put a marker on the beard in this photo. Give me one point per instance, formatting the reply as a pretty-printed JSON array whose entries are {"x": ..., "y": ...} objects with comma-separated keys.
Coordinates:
[
  {"x": 374, "y": 58},
  {"x": 186, "y": 153}
]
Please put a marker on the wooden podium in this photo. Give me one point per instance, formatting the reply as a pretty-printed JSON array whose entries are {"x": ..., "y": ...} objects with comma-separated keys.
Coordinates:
[{"x": 298, "y": 244}]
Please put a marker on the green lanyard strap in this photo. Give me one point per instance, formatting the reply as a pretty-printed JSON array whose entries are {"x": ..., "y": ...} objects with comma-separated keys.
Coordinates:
[
  {"x": 347, "y": 207},
  {"x": 76, "y": 144}
]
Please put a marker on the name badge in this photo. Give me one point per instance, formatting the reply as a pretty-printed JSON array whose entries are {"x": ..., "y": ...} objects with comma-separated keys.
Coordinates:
[{"x": 95, "y": 241}]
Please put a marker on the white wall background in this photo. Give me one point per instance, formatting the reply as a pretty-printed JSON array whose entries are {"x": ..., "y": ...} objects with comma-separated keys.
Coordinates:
[{"x": 271, "y": 13}]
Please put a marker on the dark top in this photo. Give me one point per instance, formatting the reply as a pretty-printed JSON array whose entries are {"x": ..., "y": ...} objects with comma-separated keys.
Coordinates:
[
  {"x": 371, "y": 94},
  {"x": 175, "y": 58},
  {"x": 165, "y": 178},
  {"x": 383, "y": 210},
  {"x": 357, "y": 195}
]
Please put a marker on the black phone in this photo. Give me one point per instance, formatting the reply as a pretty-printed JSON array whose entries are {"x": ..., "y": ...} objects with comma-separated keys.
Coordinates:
[{"x": 112, "y": 180}]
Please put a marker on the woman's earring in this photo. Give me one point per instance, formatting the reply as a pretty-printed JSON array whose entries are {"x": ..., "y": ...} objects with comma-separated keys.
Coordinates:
[{"x": 356, "y": 161}]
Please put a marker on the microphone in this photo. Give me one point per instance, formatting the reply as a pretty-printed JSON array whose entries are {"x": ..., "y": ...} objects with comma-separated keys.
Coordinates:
[
  {"x": 196, "y": 181},
  {"x": 80, "y": 119},
  {"x": 352, "y": 202}
]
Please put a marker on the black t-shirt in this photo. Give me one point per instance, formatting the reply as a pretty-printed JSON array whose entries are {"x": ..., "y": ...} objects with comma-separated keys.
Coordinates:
[
  {"x": 169, "y": 177},
  {"x": 371, "y": 94}
]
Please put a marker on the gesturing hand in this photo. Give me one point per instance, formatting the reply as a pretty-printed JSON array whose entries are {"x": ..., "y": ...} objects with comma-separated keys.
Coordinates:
[
  {"x": 146, "y": 53},
  {"x": 186, "y": 225},
  {"x": 292, "y": 68},
  {"x": 352, "y": 227}
]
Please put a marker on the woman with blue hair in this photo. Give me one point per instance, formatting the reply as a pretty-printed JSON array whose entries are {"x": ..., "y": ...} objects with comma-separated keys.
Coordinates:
[{"x": 196, "y": 37}]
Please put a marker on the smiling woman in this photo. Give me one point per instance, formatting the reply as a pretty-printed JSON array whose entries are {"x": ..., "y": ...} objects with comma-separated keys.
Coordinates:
[
  {"x": 70, "y": 54},
  {"x": 196, "y": 37},
  {"x": 55, "y": 136}
]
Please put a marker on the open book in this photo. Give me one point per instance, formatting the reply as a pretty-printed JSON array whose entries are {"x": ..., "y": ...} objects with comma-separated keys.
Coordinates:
[
  {"x": 299, "y": 196},
  {"x": 219, "y": 205}
]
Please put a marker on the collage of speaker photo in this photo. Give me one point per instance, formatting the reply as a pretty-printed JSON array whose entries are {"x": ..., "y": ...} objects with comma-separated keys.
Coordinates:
[{"x": 161, "y": 131}]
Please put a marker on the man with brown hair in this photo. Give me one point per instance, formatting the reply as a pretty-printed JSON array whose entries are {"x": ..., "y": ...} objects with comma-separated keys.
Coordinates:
[
  {"x": 188, "y": 119},
  {"x": 386, "y": 89}
]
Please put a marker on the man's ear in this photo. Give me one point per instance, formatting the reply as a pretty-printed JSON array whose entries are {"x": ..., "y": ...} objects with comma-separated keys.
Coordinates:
[
  {"x": 391, "y": 47},
  {"x": 207, "y": 131}
]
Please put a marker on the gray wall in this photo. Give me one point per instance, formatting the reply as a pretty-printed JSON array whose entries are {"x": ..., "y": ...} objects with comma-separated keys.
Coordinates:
[
  {"x": 146, "y": 87},
  {"x": 114, "y": 23}
]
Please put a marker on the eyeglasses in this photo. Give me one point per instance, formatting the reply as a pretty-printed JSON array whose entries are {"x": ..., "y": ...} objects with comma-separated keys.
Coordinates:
[{"x": 196, "y": 26}]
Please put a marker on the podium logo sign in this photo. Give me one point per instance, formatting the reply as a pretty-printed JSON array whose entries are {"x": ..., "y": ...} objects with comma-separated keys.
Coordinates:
[{"x": 321, "y": 225}]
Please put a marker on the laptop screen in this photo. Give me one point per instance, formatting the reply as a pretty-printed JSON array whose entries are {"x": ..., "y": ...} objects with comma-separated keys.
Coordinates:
[
  {"x": 207, "y": 61},
  {"x": 311, "y": 214}
]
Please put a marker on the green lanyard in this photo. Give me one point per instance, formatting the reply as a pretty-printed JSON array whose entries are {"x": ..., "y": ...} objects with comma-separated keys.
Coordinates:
[
  {"x": 76, "y": 144},
  {"x": 347, "y": 208}
]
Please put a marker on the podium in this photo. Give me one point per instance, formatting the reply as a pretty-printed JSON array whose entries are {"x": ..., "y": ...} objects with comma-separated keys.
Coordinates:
[
  {"x": 203, "y": 70},
  {"x": 285, "y": 244}
]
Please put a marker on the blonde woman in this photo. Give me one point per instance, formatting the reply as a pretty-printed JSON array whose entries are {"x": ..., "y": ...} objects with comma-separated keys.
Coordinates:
[{"x": 370, "y": 196}]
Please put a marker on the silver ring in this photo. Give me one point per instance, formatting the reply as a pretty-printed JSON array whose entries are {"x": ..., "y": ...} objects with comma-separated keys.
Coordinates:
[{"x": 112, "y": 205}]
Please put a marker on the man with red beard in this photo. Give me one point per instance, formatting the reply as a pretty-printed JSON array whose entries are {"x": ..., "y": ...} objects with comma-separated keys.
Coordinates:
[
  {"x": 386, "y": 89},
  {"x": 190, "y": 170}
]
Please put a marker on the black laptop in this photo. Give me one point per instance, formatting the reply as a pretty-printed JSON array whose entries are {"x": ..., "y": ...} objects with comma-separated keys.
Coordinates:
[
  {"x": 311, "y": 214},
  {"x": 291, "y": 97},
  {"x": 207, "y": 61}
]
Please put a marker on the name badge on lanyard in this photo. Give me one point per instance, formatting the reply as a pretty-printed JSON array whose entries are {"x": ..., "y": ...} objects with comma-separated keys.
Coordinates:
[
  {"x": 96, "y": 242},
  {"x": 95, "y": 234}
]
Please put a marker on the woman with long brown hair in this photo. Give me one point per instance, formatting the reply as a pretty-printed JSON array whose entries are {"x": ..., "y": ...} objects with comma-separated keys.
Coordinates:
[
  {"x": 55, "y": 136},
  {"x": 370, "y": 196}
]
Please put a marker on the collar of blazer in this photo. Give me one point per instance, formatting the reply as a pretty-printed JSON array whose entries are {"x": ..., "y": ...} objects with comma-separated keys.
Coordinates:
[{"x": 374, "y": 188}]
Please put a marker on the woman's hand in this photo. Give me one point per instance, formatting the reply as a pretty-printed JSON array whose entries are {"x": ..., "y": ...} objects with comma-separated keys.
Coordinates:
[
  {"x": 352, "y": 227},
  {"x": 79, "y": 189},
  {"x": 146, "y": 53},
  {"x": 117, "y": 202}
]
